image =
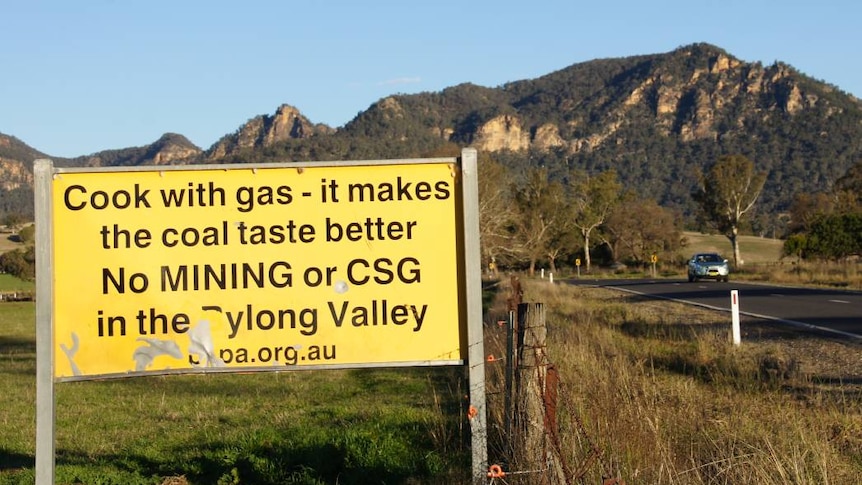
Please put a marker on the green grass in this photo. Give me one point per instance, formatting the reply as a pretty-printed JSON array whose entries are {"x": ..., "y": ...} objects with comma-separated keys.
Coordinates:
[
  {"x": 307, "y": 427},
  {"x": 11, "y": 283}
]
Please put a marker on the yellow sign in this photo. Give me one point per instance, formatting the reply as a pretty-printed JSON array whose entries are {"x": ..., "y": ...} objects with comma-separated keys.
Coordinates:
[
  {"x": 578, "y": 262},
  {"x": 654, "y": 258},
  {"x": 264, "y": 268}
]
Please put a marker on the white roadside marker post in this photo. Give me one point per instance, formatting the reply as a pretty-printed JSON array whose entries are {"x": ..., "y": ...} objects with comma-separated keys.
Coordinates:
[{"x": 734, "y": 312}]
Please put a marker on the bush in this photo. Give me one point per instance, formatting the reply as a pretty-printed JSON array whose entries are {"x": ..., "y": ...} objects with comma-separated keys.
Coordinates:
[
  {"x": 21, "y": 264},
  {"x": 27, "y": 235}
]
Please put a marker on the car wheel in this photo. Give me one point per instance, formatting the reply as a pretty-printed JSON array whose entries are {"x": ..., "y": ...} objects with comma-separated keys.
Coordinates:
[{"x": 691, "y": 278}]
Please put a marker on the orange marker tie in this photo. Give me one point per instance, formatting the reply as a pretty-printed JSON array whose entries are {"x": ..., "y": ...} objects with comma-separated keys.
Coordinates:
[
  {"x": 472, "y": 412},
  {"x": 495, "y": 471}
]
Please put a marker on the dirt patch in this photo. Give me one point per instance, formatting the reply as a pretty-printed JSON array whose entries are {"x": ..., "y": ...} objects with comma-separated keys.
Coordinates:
[{"x": 8, "y": 242}]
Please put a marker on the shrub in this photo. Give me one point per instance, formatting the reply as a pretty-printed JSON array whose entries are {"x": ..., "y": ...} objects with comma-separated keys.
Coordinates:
[
  {"x": 19, "y": 263},
  {"x": 27, "y": 235}
]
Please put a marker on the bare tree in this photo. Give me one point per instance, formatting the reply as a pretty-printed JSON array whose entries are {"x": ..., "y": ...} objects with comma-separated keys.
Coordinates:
[
  {"x": 638, "y": 228},
  {"x": 495, "y": 211},
  {"x": 728, "y": 190}
]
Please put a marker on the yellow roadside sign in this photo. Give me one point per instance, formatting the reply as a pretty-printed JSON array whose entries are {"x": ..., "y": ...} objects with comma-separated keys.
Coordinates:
[{"x": 247, "y": 268}]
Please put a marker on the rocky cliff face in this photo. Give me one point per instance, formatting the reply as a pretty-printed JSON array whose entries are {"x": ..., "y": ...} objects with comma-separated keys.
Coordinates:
[
  {"x": 16, "y": 160},
  {"x": 692, "y": 105},
  {"x": 264, "y": 130},
  {"x": 13, "y": 175},
  {"x": 504, "y": 132},
  {"x": 169, "y": 150}
]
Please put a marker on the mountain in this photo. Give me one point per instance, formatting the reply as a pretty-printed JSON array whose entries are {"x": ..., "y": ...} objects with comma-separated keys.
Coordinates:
[
  {"x": 16, "y": 176},
  {"x": 657, "y": 119},
  {"x": 170, "y": 148},
  {"x": 16, "y": 165},
  {"x": 264, "y": 131}
]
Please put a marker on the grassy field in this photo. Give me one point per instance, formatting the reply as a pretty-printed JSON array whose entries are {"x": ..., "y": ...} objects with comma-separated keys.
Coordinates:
[
  {"x": 310, "y": 427},
  {"x": 11, "y": 283},
  {"x": 753, "y": 249}
]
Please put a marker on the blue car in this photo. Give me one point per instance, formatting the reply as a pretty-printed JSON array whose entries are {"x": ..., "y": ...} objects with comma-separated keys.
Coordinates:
[{"x": 708, "y": 266}]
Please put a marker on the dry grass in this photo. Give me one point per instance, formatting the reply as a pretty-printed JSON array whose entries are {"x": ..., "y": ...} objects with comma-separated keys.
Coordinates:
[
  {"x": 763, "y": 261},
  {"x": 753, "y": 249},
  {"x": 658, "y": 389},
  {"x": 844, "y": 274}
]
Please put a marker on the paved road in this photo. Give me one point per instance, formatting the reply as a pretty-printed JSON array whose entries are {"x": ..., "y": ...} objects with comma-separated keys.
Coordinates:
[{"x": 836, "y": 311}]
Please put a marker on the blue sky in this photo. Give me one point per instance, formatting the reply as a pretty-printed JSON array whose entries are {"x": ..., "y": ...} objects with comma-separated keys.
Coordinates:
[{"x": 77, "y": 77}]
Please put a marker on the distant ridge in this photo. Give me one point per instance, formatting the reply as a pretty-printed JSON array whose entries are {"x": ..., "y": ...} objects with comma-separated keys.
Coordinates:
[{"x": 656, "y": 119}]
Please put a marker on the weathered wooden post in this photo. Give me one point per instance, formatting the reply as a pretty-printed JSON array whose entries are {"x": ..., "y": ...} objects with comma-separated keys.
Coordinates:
[
  {"x": 511, "y": 352},
  {"x": 535, "y": 441}
]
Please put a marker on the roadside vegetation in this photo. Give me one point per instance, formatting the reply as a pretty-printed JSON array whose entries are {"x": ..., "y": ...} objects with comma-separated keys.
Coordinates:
[
  {"x": 651, "y": 392},
  {"x": 655, "y": 392}
]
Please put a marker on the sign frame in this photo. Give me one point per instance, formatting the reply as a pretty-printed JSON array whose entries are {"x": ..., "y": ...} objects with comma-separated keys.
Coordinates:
[{"x": 468, "y": 272}]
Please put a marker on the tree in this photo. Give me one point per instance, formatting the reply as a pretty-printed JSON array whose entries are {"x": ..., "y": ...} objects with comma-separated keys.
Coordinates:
[
  {"x": 852, "y": 181},
  {"x": 538, "y": 204},
  {"x": 19, "y": 263},
  {"x": 495, "y": 211},
  {"x": 835, "y": 236},
  {"x": 637, "y": 228},
  {"x": 13, "y": 220},
  {"x": 848, "y": 191},
  {"x": 807, "y": 208},
  {"x": 593, "y": 197},
  {"x": 727, "y": 191},
  {"x": 795, "y": 245},
  {"x": 495, "y": 204},
  {"x": 562, "y": 237},
  {"x": 27, "y": 234}
]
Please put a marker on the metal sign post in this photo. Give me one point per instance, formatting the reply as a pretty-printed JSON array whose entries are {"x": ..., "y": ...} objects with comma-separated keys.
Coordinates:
[
  {"x": 45, "y": 400},
  {"x": 475, "y": 334}
]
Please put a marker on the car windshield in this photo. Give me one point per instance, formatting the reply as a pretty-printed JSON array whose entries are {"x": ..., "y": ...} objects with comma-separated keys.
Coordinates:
[{"x": 708, "y": 258}]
